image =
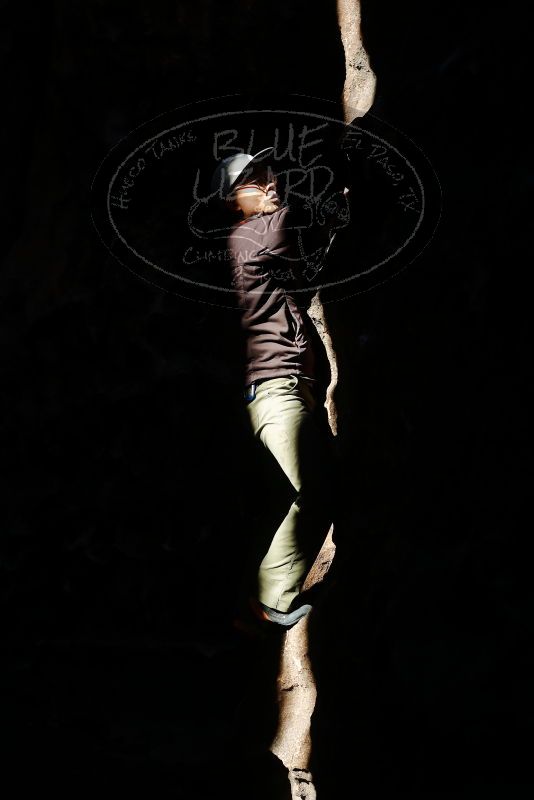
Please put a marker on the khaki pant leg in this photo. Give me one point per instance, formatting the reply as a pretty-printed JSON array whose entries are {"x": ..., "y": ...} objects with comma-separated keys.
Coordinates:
[{"x": 282, "y": 418}]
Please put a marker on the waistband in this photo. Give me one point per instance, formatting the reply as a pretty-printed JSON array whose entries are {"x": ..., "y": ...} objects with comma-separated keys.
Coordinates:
[{"x": 250, "y": 387}]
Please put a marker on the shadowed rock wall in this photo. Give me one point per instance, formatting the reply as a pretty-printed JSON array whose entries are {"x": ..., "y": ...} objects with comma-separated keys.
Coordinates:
[{"x": 129, "y": 474}]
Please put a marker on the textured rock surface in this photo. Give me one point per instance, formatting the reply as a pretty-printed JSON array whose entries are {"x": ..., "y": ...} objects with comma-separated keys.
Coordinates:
[
  {"x": 297, "y": 690},
  {"x": 360, "y": 80}
]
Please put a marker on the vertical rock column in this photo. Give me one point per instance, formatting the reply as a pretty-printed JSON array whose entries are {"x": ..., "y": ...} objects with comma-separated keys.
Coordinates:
[
  {"x": 360, "y": 80},
  {"x": 297, "y": 691}
]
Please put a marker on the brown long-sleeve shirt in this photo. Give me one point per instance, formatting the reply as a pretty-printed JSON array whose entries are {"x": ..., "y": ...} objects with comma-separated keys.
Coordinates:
[{"x": 267, "y": 266}]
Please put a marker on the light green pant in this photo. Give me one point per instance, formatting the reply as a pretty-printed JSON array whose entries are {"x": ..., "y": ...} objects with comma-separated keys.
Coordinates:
[{"x": 284, "y": 417}]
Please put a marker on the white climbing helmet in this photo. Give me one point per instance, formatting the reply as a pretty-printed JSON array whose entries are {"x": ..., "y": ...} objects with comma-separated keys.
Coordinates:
[{"x": 230, "y": 170}]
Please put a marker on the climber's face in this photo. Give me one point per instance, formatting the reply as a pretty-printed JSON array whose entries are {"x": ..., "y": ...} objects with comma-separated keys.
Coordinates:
[{"x": 256, "y": 195}]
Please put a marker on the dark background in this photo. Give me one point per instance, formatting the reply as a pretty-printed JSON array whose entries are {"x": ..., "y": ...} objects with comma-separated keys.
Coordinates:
[{"x": 131, "y": 483}]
